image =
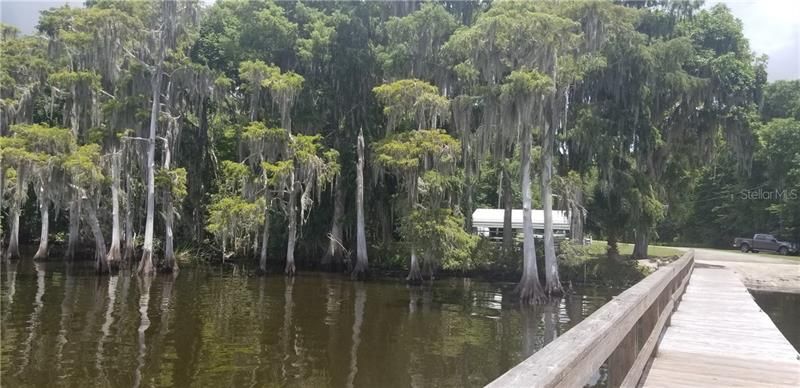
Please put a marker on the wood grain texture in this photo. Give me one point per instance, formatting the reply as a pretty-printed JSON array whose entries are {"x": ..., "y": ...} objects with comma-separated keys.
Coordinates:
[{"x": 719, "y": 337}]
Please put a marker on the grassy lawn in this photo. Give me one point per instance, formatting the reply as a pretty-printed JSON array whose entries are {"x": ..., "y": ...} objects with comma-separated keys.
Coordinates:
[{"x": 599, "y": 247}]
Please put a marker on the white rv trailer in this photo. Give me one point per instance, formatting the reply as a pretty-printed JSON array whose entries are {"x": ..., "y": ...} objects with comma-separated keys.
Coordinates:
[{"x": 489, "y": 223}]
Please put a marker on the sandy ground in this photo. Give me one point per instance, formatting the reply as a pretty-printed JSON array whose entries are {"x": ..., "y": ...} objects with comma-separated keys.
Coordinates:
[{"x": 757, "y": 271}]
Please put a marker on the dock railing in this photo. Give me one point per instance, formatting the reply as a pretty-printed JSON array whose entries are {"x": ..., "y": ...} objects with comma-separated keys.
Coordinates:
[{"x": 622, "y": 335}]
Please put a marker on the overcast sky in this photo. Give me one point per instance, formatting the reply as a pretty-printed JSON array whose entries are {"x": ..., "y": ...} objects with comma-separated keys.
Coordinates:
[{"x": 772, "y": 26}]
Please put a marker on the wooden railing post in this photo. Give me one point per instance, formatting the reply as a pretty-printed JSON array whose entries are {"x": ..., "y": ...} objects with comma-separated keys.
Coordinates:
[{"x": 623, "y": 335}]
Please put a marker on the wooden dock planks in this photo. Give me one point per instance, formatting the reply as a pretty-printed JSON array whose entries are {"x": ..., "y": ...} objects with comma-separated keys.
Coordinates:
[{"x": 720, "y": 337}]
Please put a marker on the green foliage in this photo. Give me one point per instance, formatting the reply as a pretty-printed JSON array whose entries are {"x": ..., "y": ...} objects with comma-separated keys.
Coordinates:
[
  {"x": 258, "y": 131},
  {"x": 236, "y": 31},
  {"x": 173, "y": 181},
  {"x": 234, "y": 218},
  {"x": 644, "y": 98},
  {"x": 317, "y": 33},
  {"x": 310, "y": 155},
  {"x": 67, "y": 79},
  {"x": 415, "y": 41},
  {"x": 44, "y": 139},
  {"x": 780, "y": 141},
  {"x": 526, "y": 83},
  {"x": 278, "y": 171},
  {"x": 38, "y": 146},
  {"x": 578, "y": 265},
  {"x": 13, "y": 151},
  {"x": 233, "y": 178},
  {"x": 411, "y": 100},
  {"x": 283, "y": 84},
  {"x": 439, "y": 233},
  {"x": 781, "y": 99},
  {"x": 408, "y": 151},
  {"x": 85, "y": 167},
  {"x": 305, "y": 147},
  {"x": 256, "y": 72},
  {"x": 509, "y": 36}
]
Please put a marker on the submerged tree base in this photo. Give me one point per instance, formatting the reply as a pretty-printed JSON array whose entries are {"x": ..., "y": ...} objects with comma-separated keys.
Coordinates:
[
  {"x": 41, "y": 255},
  {"x": 290, "y": 270},
  {"x": 414, "y": 274},
  {"x": 554, "y": 290},
  {"x": 146, "y": 264},
  {"x": 360, "y": 272},
  {"x": 530, "y": 292}
]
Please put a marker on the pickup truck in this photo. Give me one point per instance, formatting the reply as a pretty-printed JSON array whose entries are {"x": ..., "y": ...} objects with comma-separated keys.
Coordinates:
[{"x": 764, "y": 242}]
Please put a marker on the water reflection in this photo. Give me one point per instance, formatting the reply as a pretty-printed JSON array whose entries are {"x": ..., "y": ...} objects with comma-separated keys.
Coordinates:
[
  {"x": 214, "y": 327},
  {"x": 33, "y": 322},
  {"x": 68, "y": 301},
  {"x": 360, "y": 301},
  {"x": 10, "y": 268},
  {"x": 106, "y": 328},
  {"x": 144, "y": 283},
  {"x": 784, "y": 311}
]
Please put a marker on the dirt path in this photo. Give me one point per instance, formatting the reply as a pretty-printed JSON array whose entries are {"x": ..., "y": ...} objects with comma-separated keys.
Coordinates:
[{"x": 757, "y": 271}]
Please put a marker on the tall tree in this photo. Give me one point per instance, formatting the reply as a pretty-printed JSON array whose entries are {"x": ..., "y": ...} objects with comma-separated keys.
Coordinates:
[
  {"x": 523, "y": 93},
  {"x": 361, "y": 234},
  {"x": 42, "y": 152},
  {"x": 408, "y": 103},
  {"x": 422, "y": 160},
  {"x": 173, "y": 19},
  {"x": 115, "y": 250},
  {"x": 85, "y": 167}
]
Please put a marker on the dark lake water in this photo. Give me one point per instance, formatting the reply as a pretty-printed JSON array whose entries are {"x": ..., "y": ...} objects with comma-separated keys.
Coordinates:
[
  {"x": 784, "y": 310},
  {"x": 214, "y": 327}
]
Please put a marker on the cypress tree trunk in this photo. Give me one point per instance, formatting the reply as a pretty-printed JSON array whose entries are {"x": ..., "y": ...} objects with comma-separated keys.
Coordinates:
[
  {"x": 576, "y": 219},
  {"x": 529, "y": 288},
  {"x": 613, "y": 249},
  {"x": 101, "y": 265},
  {"x": 16, "y": 207},
  {"x": 361, "y": 235},
  {"x": 74, "y": 224},
  {"x": 333, "y": 255},
  {"x": 414, "y": 274},
  {"x": 262, "y": 265},
  {"x": 114, "y": 253},
  {"x": 292, "y": 228},
  {"x": 641, "y": 243},
  {"x": 13, "y": 238},
  {"x": 169, "y": 215},
  {"x": 508, "y": 231},
  {"x": 44, "y": 211},
  {"x": 170, "y": 265},
  {"x": 553, "y": 283},
  {"x": 468, "y": 194},
  {"x": 146, "y": 264},
  {"x": 130, "y": 248}
]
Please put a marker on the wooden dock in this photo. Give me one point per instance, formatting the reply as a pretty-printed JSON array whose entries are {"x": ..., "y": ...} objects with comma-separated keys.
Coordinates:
[
  {"x": 682, "y": 326},
  {"x": 720, "y": 337}
]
